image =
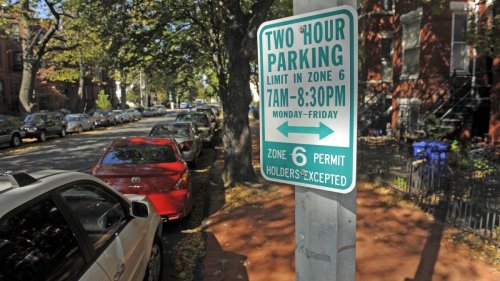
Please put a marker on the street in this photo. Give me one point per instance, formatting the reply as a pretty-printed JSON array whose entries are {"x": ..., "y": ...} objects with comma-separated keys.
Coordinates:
[{"x": 78, "y": 152}]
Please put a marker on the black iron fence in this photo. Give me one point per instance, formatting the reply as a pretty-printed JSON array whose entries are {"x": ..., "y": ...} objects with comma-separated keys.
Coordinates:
[{"x": 461, "y": 188}]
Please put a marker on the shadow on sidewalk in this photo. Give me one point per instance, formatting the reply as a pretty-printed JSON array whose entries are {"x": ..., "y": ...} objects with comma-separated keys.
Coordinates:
[
  {"x": 223, "y": 265},
  {"x": 430, "y": 252}
]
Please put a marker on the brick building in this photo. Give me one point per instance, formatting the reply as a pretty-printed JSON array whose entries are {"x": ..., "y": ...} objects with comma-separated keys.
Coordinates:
[
  {"x": 48, "y": 95},
  {"x": 10, "y": 70},
  {"x": 418, "y": 71}
]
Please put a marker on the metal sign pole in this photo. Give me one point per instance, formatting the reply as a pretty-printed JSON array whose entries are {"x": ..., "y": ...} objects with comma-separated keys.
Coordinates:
[{"x": 325, "y": 222}]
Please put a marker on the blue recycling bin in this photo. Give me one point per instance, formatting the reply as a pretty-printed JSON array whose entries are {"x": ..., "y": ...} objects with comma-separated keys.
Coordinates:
[{"x": 434, "y": 151}]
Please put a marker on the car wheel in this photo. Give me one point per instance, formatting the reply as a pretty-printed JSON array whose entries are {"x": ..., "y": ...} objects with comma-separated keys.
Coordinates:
[
  {"x": 15, "y": 141},
  {"x": 62, "y": 134},
  {"x": 42, "y": 137},
  {"x": 153, "y": 272}
]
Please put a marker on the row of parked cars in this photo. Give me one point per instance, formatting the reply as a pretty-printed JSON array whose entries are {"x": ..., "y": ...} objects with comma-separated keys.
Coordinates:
[
  {"x": 44, "y": 124},
  {"x": 59, "y": 225}
]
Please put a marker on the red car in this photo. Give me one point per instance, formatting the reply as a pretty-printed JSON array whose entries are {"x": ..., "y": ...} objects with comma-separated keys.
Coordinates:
[{"x": 149, "y": 166}]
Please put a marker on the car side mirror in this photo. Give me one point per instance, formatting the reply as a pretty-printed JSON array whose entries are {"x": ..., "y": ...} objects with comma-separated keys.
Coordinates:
[{"x": 139, "y": 209}]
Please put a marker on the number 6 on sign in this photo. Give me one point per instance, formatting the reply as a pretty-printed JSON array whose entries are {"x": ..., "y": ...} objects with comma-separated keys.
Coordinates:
[{"x": 298, "y": 156}]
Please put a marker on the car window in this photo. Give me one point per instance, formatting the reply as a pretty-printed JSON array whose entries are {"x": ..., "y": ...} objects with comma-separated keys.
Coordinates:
[
  {"x": 140, "y": 154},
  {"x": 72, "y": 118},
  {"x": 36, "y": 243},
  {"x": 170, "y": 129},
  {"x": 34, "y": 118},
  {"x": 100, "y": 214},
  {"x": 196, "y": 118}
]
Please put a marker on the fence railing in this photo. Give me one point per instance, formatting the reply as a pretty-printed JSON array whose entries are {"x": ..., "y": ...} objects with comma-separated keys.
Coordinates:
[{"x": 460, "y": 188}]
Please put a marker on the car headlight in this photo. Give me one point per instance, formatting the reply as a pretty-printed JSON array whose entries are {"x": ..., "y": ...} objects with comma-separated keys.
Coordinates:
[{"x": 30, "y": 129}]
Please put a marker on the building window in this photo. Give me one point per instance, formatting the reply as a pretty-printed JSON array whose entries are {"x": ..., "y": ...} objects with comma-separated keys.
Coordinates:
[
  {"x": 411, "y": 44},
  {"x": 18, "y": 61},
  {"x": 15, "y": 32},
  {"x": 459, "y": 49},
  {"x": 409, "y": 111},
  {"x": 386, "y": 53}
]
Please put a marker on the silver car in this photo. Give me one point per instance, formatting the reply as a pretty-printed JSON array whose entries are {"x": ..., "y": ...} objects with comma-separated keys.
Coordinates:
[
  {"x": 77, "y": 123},
  {"x": 204, "y": 126},
  {"x": 186, "y": 134},
  {"x": 119, "y": 116},
  {"x": 59, "y": 225}
]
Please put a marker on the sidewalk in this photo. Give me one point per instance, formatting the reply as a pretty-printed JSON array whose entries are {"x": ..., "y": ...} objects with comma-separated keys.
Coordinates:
[{"x": 255, "y": 240}]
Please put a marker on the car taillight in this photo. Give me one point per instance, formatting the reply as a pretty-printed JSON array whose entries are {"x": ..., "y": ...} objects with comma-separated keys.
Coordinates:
[{"x": 182, "y": 183}]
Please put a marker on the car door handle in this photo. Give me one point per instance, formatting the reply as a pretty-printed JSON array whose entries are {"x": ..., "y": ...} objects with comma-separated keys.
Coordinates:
[{"x": 119, "y": 272}]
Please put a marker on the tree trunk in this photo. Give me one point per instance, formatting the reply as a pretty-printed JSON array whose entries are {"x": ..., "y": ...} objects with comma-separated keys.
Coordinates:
[
  {"x": 123, "y": 90},
  {"x": 27, "y": 88},
  {"x": 29, "y": 68},
  {"x": 236, "y": 135},
  {"x": 81, "y": 83}
]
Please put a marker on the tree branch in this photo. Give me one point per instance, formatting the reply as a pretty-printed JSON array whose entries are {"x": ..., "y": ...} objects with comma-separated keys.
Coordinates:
[{"x": 260, "y": 10}]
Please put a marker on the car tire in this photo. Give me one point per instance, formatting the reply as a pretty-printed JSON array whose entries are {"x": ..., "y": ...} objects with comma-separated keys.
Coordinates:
[
  {"x": 153, "y": 271},
  {"x": 62, "y": 134},
  {"x": 42, "y": 136},
  {"x": 16, "y": 140}
]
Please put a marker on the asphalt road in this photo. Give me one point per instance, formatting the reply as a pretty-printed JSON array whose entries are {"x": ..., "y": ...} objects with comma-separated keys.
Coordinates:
[
  {"x": 79, "y": 152},
  {"x": 75, "y": 152}
]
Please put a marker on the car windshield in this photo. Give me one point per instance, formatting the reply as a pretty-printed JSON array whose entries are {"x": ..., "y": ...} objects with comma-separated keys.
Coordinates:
[
  {"x": 34, "y": 118},
  {"x": 196, "y": 118},
  {"x": 70, "y": 118},
  {"x": 170, "y": 129},
  {"x": 140, "y": 154}
]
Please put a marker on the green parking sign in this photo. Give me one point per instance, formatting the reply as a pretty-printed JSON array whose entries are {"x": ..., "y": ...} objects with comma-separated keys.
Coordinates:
[{"x": 308, "y": 91}]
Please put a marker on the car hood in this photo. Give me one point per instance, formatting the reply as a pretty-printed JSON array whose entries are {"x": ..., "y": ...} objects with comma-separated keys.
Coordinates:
[{"x": 142, "y": 178}]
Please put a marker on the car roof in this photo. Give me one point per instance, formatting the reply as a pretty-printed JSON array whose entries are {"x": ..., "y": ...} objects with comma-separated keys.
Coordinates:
[
  {"x": 191, "y": 113},
  {"x": 174, "y": 123},
  {"x": 44, "y": 181},
  {"x": 141, "y": 140}
]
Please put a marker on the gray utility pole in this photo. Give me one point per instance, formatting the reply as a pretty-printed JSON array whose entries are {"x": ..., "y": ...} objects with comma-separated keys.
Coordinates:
[{"x": 325, "y": 222}]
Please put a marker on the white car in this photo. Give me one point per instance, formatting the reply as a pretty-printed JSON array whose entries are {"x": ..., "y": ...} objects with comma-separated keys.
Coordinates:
[
  {"x": 59, "y": 225},
  {"x": 162, "y": 110}
]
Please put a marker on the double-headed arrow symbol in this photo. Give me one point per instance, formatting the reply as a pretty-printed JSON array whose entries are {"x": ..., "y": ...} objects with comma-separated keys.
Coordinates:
[{"x": 323, "y": 131}]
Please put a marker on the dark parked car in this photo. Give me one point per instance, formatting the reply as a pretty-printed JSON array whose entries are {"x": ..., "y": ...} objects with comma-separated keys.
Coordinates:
[
  {"x": 185, "y": 133},
  {"x": 203, "y": 124},
  {"x": 10, "y": 130},
  {"x": 44, "y": 124}
]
